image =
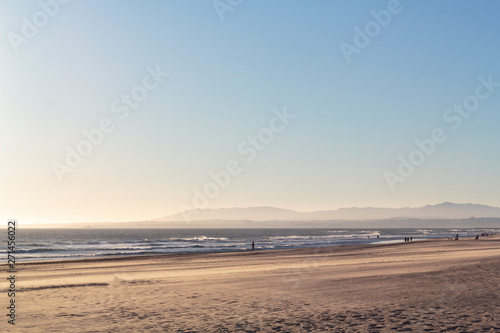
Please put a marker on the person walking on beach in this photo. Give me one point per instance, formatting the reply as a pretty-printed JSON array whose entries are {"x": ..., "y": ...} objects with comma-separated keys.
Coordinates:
[{"x": 253, "y": 245}]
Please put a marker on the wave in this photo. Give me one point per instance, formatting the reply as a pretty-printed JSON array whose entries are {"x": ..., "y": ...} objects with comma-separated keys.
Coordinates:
[
  {"x": 36, "y": 250},
  {"x": 198, "y": 239},
  {"x": 326, "y": 237}
]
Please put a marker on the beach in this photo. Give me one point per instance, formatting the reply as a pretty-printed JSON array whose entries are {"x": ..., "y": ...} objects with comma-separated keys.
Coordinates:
[{"x": 424, "y": 286}]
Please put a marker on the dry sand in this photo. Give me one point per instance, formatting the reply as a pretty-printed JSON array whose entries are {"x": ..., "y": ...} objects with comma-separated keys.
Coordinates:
[{"x": 427, "y": 286}]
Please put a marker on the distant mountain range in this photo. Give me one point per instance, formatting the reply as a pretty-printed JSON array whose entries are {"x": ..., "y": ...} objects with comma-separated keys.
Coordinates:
[
  {"x": 445, "y": 210},
  {"x": 444, "y": 215}
]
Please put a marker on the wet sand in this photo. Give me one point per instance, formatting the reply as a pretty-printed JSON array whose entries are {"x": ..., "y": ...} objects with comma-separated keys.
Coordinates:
[{"x": 425, "y": 286}]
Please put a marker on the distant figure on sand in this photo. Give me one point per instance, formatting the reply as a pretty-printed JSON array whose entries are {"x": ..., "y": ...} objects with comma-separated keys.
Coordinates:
[
  {"x": 456, "y": 237},
  {"x": 411, "y": 239},
  {"x": 477, "y": 236},
  {"x": 253, "y": 246}
]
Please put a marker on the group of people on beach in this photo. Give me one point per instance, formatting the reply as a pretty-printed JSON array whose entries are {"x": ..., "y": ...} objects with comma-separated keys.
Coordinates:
[
  {"x": 408, "y": 239},
  {"x": 484, "y": 234}
]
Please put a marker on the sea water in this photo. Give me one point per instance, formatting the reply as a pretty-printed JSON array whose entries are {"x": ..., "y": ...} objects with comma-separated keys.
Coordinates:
[{"x": 59, "y": 244}]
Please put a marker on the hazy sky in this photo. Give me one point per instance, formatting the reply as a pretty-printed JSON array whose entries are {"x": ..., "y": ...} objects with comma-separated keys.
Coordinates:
[{"x": 309, "y": 104}]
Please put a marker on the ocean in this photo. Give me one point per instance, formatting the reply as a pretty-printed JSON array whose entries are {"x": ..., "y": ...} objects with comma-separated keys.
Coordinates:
[{"x": 59, "y": 244}]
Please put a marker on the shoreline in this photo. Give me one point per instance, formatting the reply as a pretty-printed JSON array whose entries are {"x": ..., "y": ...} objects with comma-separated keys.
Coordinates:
[
  {"x": 235, "y": 252},
  {"x": 328, "y": 250}
]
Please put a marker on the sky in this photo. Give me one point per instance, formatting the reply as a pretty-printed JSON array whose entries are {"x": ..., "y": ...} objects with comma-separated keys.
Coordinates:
[{"x": 133, "y": 110}]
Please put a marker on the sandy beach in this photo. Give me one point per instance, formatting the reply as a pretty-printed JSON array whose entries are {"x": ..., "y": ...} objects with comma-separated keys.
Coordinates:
[{"x": 425, "y": 286}]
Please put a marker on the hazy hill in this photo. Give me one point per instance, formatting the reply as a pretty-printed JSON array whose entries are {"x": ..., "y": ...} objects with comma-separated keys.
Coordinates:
[
  {"x": 444, "y": 210},
  {"x": 250, "y": 214},
  {"x": 444, "y": 215},
  {"x": 480, "y": 223}
]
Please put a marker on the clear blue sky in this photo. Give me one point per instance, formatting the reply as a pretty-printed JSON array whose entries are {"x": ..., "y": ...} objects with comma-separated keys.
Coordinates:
[{"x": 353, "y": 119}]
